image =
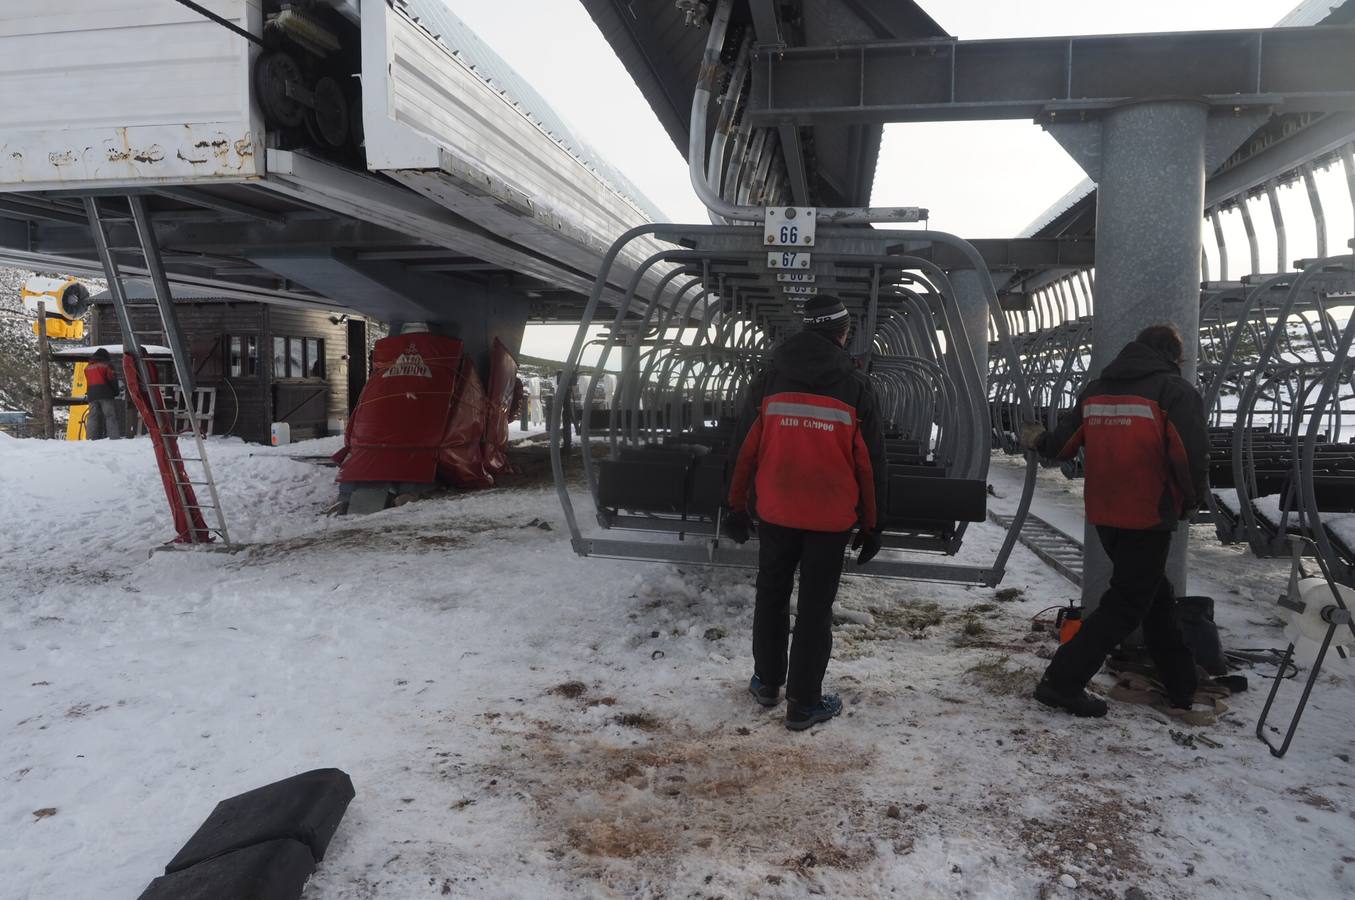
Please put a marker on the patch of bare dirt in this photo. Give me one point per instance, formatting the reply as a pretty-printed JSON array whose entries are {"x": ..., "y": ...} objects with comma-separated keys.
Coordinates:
[
  {"x": 997, "y": 676},
  {"x": 350, "y": 540},
  {"x": 532, "y": 467},
  {"x": 571, "y": 690},
  {"x": 630, "y": 814},
  {"x": 1310, "y": 798},
  {"x": 640, "y": 720},
  {"x": 1094, "y": 837}
]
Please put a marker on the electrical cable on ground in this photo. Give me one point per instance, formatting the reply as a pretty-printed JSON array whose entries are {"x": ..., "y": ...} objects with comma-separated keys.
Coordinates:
[{"x": 236, "y": 396}]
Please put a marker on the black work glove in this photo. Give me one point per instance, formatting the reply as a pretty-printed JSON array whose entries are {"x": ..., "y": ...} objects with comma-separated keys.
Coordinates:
[
  {"x": 738, "y": 527},
  {"x": 868, "y": 541}
]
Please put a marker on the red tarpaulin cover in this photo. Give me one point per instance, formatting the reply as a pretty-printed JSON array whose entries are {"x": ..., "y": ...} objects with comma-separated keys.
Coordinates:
[
  {"x": 503, "y": 384},
  {"x": 424, "y": 416}
]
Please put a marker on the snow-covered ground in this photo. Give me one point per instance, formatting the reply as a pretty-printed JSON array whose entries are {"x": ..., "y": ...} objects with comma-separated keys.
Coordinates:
[{"x": 520, "y": 722}]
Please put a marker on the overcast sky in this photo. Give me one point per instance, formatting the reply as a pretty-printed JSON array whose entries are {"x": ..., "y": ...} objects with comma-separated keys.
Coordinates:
[{"x": 982, "y": 179}]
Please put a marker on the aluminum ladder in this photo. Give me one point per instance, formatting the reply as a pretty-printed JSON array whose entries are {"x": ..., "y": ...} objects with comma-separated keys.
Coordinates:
[{"x": 172, "y": 399}]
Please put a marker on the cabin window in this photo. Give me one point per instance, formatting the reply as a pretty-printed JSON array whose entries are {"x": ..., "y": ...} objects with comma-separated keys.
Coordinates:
[
  {"x": 244, "y": 355},
  {"x": 295, "y": 357},
  {"x": 296, "y": 362},
  {"x": 315, "y": 358}
]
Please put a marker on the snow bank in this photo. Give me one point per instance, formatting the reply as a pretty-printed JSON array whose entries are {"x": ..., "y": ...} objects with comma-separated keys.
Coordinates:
[{"x": 522, "y": 723}]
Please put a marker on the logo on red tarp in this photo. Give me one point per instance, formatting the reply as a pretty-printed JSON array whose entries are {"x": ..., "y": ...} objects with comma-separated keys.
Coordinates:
[{"x": 409, "y": 363}]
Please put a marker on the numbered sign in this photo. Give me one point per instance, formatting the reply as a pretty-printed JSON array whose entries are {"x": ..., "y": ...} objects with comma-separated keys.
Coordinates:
[
  {"x": 789, "y": 226},
  {"x": 796, "y": 277},
  {"x": 787, "y": 259},
  {"x": 800, "y": 290}
]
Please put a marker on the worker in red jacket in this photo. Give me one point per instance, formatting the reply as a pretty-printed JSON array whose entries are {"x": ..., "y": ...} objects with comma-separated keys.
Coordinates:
[
  {"x": 101, "y": 390},
  {"x": 1142, "y": 429},
  {"x": 811, "y": 464}
]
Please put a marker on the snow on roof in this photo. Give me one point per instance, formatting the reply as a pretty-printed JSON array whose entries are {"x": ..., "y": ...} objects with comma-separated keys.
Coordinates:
[
  {"x": 448, "y": 29},
  {"x": 78, "y": 353},
  {"x": 1062, "y": 205},
  {"x": 139, "y": 289},
  {"x": 1310, "y": 12}
]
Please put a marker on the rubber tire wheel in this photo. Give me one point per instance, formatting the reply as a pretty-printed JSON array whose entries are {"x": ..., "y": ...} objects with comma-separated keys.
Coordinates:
[
  {"x": 272, "y": 70},
  {"x": 328, "y": 121}
]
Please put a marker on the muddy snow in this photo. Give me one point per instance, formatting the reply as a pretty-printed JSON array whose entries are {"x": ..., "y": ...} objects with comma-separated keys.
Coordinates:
[{"x": 519, "y": 722}]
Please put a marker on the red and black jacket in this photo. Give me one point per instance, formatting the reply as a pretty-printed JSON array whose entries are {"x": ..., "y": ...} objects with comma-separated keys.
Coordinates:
[
  {"x": 1142, "y": 427},
  {"x": 101, "y": 382},
  {"x": 811, "y": 452}
]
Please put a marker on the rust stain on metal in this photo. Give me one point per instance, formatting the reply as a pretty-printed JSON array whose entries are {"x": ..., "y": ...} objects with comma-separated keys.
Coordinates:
[
  {"x": 152, "y": 154},
  {"x": 64, "y": 158},
  {"x": 245, "y": 146},
  {"x": 187, "y": 159},
  {"x": 119, "y": 155}
]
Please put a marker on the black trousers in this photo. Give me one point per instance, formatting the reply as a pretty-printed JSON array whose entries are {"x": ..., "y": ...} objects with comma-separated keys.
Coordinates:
[
  {"x": 818, "y": 554},
  {"x": 1139, "y": 594}
]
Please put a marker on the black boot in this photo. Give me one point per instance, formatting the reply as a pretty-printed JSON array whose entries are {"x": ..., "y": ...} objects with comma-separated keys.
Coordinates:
[
  {"x": 765, "y": 694},
  {"x": 799, "y": 717},
  {"x": 1079, "y": 703}
]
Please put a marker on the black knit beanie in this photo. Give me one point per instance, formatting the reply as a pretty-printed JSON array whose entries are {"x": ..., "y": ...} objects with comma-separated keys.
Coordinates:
[{"x": 825, "y": 312}]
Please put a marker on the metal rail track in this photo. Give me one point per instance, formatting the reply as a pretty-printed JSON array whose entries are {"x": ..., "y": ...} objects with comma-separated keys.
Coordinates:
[{"x": 1057, "y": 549}]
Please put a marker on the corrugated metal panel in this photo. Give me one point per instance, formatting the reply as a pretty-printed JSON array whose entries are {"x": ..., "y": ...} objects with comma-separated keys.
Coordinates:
[
  {"x": 1084, "y": 188},
  {"x": 451, "y": 104},
  {"x": 439, "y": 21},
  {"x": 1312, "y": 12},
  {"x": 125, "y": 91}
]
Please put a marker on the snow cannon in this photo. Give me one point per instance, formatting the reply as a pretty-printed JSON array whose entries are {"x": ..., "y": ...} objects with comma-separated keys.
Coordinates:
[
  {"x": 65, "y": 301},
  {"x": 425, "y": 419},
  {"x": 1318, "y": 614}
]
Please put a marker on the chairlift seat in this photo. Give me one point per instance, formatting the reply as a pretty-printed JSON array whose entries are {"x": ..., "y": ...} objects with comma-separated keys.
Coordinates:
[
  {"x": 919, "y": 470},
  {"x": 709, "y": 484},
  {"x": 927, "y": 503},
  {"x": 647, "y": 480},
  {"x": 1334, "y": 494}
]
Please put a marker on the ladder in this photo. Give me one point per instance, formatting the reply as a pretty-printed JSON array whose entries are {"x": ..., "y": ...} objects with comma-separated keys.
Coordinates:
[{"x": 169, "y": 394}]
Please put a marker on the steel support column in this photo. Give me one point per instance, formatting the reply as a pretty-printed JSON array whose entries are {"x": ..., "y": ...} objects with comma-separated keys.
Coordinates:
[
  {"x": 973, "y": 303},
  {"x": 1149, "y": 205}
]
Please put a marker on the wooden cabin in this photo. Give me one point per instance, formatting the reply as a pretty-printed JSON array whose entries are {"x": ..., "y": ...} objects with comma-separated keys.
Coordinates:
[{"x": 268, "y": 363}]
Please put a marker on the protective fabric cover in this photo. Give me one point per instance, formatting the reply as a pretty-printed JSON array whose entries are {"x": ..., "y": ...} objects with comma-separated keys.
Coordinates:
[
  {"x": 461, "y": 457},
  {"x": 401, "y": 418},
  {"x": 276, "y": 870},
  {"x": 425, "y": 415},
  {"x": 188, "y": 524},
  {"x": 503, "y": 392},
  {"x": 305, "y": 808}
]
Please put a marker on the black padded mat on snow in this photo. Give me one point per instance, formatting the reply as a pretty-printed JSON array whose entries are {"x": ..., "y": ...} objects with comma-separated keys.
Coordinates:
[
  {"x": 274, "y": 870},
  {"x": 305, "y": 808}
]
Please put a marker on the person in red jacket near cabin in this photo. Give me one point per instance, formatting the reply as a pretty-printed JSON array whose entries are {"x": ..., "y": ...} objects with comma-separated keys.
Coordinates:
[
  {"x": 101, "y": 390},
  {"x": 1146, "y": 459},
  {"x": 811, "y": 464}
]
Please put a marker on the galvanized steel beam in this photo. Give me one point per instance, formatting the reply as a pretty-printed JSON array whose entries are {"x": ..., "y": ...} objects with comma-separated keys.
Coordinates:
[{"x": 945, "y": 79}]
